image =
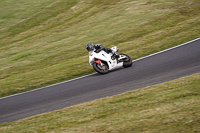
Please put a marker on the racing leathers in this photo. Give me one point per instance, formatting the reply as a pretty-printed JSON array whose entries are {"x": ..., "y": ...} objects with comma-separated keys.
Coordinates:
[{"x": 99, "y": 47}]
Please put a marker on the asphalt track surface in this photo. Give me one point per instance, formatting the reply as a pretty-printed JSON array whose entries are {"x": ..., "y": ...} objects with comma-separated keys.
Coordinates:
[{"x": 157, "y": 68}]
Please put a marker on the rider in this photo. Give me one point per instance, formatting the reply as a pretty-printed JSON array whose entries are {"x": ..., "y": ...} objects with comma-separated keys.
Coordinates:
[{"x": 97, "y": 47}]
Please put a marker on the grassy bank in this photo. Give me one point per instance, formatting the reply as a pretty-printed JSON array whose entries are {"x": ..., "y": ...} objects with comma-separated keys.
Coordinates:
[
  {"x": 169, "y": 107},
  {"x": 43, "y": 42}
]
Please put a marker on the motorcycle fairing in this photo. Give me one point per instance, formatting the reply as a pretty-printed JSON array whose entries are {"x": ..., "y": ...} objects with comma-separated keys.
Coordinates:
[{"x": 103, "y": 56}]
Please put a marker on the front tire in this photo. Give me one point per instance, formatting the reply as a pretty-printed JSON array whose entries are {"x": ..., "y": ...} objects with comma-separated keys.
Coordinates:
[{"x": 101, "y": 69}]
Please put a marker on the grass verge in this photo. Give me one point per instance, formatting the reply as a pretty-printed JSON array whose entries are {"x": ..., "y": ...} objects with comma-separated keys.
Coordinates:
[{"x": 168, "y": 107}]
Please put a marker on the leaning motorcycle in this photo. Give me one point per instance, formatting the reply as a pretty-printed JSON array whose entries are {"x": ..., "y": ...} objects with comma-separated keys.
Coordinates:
[{"x": 103, "y": 62}]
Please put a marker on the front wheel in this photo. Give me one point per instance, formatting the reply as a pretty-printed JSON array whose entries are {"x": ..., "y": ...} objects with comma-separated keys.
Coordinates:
[
  {"x": 127, "y": 62},
  {"x": 100, "y": 69}
]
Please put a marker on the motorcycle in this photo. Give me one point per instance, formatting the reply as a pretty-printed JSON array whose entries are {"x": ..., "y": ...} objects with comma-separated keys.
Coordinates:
[{"x": 103, "y": 62}]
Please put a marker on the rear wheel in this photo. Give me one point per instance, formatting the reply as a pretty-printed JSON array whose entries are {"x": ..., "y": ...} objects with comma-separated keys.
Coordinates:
[
  {"x": 100, "y": 69},
  {"x": 127, "y": 62}
]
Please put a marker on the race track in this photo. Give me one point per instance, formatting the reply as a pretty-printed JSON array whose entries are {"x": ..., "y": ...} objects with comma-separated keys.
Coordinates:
[{"x": 161, "y": 67}]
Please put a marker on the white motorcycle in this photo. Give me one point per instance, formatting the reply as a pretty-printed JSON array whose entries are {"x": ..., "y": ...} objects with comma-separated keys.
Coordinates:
[{"x": 102, "y": 62}]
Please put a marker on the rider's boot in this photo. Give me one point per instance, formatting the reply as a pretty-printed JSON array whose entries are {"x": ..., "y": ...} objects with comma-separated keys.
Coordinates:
[{"x": 114, "y": 56}]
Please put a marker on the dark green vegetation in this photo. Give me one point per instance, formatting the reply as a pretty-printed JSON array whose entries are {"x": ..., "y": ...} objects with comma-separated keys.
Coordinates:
[
  {"x": 42, "y": 42},
  {"x": 171, "y": 107}
]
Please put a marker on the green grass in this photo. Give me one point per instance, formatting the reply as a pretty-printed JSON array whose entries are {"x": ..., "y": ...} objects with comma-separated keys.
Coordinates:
[
  {"x": 170, "y": 107},
  {"x": 42, "y": 42}
]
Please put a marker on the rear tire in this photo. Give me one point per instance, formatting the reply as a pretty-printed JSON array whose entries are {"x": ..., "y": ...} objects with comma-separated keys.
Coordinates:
[
  {"x": 102, "y": 70},
  {"x": 128, "y": 62}
]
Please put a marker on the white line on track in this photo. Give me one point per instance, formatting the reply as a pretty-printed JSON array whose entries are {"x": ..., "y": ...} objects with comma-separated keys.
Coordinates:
[
  {"x": 167, "y": 49},
  {"x": 95, "y": 72}
]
